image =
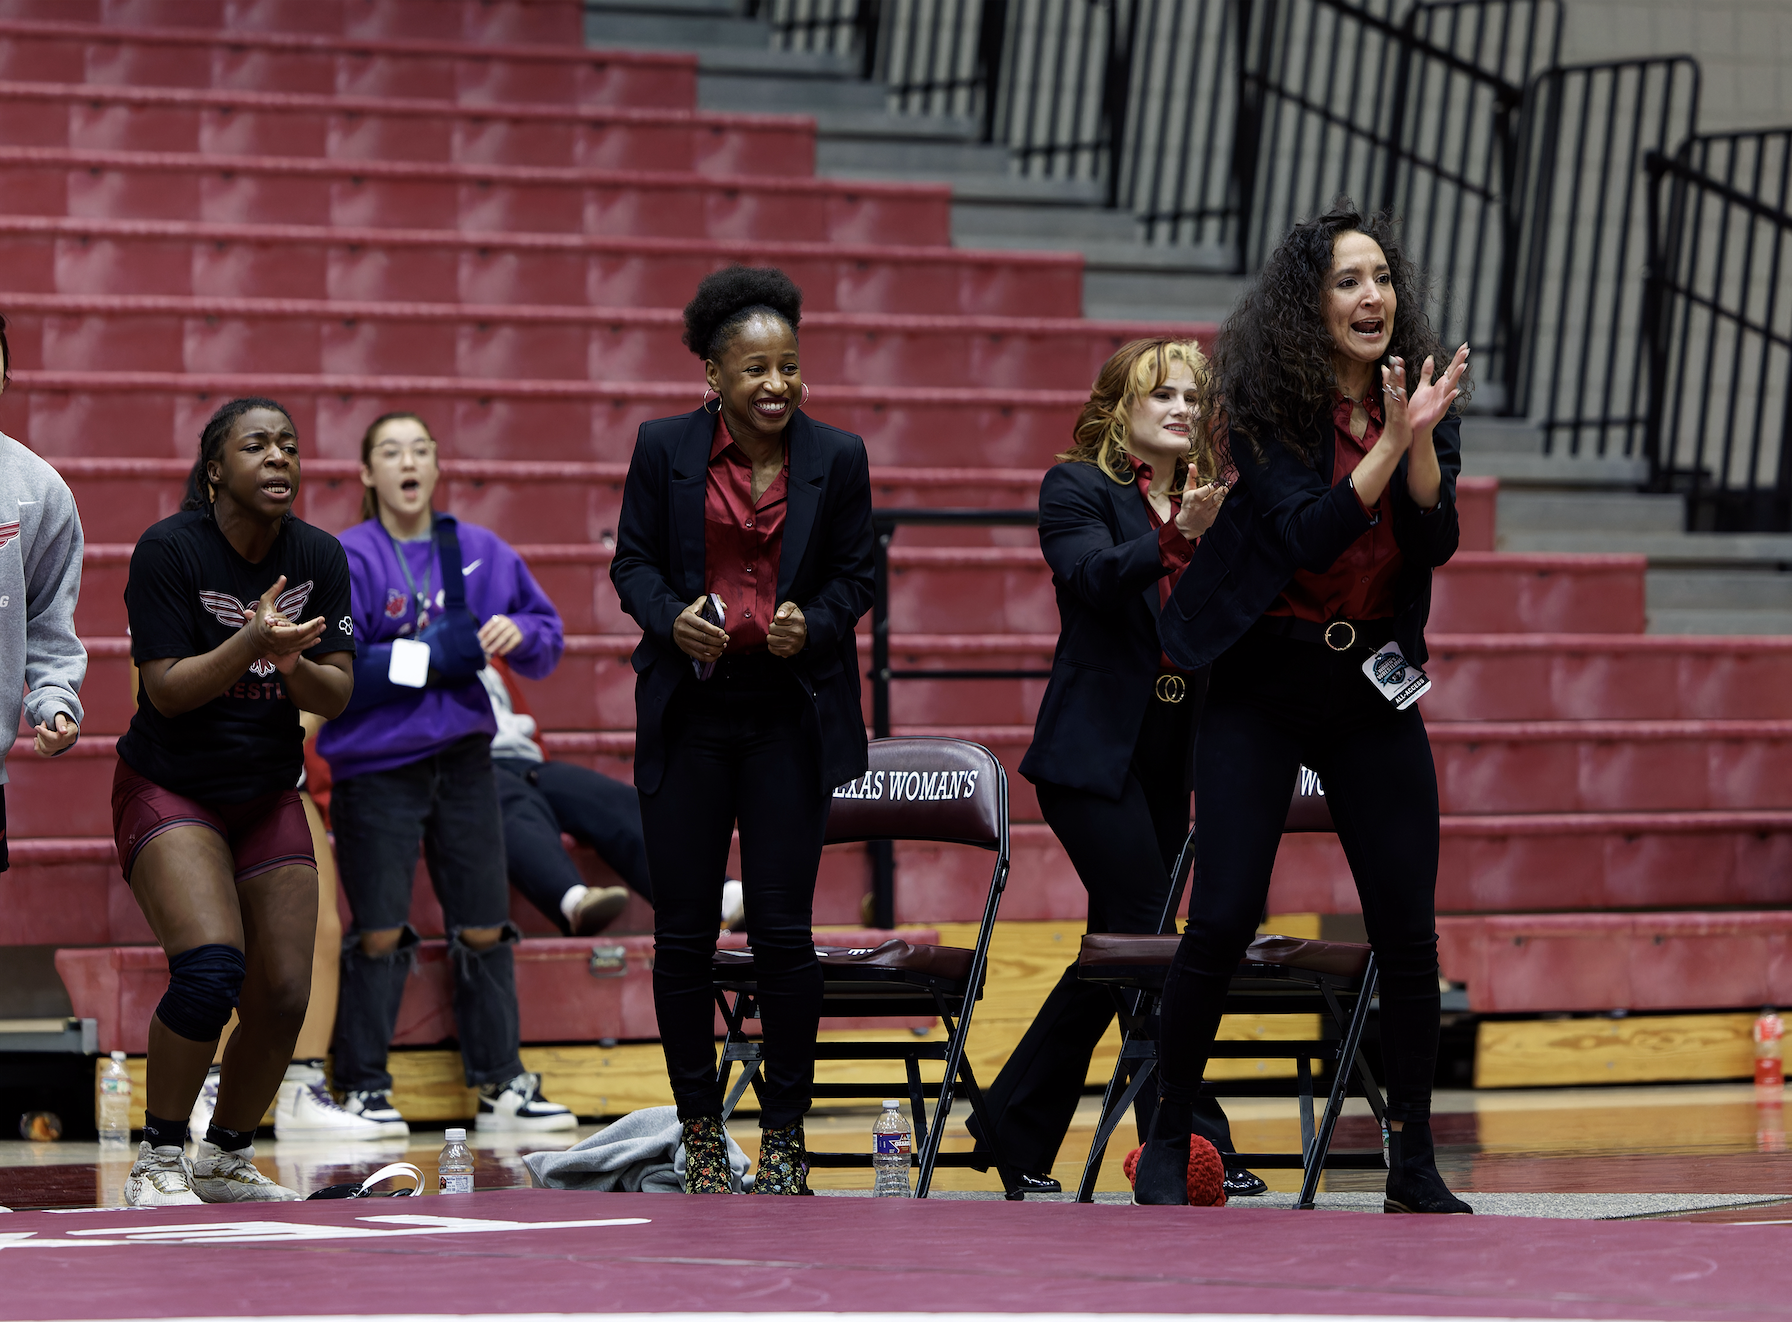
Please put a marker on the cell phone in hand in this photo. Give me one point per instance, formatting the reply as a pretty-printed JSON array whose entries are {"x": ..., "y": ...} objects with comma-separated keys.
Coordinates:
[{"x": 713, "y": 611}]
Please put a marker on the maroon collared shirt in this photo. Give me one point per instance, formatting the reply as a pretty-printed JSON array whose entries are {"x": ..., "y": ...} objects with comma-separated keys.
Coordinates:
[
  {"x": 1174, "y": 551},
  {"x": 742, "y": 538},
  {"x": 1360, "y": 584}
]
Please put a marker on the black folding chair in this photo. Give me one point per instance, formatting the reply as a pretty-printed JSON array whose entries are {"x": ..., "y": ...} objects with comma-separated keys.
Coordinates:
[
  {"x": 938, "y": 790},
  {"x": 1278, "y": 975}
]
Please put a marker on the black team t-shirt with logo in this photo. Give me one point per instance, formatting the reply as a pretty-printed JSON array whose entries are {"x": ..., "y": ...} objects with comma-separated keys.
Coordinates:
[{"x": 189, "y": 592}]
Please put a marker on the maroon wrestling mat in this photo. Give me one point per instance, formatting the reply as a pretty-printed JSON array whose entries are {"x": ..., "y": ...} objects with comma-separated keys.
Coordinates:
[{"x": 520, "y": 1252}]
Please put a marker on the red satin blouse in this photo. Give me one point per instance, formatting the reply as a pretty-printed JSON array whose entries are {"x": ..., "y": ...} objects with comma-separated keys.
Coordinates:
[
  {"x": 1360, "y": 583},
  {"x": 741, "y": 540}
]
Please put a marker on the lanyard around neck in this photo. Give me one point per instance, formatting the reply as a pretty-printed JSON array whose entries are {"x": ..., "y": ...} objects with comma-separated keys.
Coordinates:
[{"x": 420, "y": 597}]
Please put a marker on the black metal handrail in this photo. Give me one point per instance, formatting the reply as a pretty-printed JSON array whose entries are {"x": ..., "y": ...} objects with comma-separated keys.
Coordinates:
[
  {"x": 884, "y": 523},
  {"x": 1715, "y": 332}
]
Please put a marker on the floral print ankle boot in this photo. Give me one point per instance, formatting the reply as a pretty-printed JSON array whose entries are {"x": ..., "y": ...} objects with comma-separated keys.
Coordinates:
[
  {"x": 783, "y": 1163},
  {"x": 706, "y": 1156}
]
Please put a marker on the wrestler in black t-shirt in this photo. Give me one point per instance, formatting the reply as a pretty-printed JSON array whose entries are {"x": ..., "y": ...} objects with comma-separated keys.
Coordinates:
[{"x": 189, "y": 592}]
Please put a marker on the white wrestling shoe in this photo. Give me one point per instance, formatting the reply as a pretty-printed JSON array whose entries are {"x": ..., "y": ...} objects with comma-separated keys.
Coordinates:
[
  {"x": 160, "y": 1178},
  {"x": 375, "y": 1108},
  {"x": 222, "y": 1176},
  {"x": 200, "y": 1119},
  {"x": 519, "y": 1107},
  {"x": 304, "y": 1109}
]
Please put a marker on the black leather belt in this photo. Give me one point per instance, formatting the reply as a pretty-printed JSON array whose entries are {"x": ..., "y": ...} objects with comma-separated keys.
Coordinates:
[{"x": 1360, "y": 637}]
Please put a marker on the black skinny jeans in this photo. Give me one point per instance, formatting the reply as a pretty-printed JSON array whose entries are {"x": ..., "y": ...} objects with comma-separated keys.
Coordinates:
[
  {"x": 1123, "y": 850},
  {"x": 737, "y": 749},
  {"x": 1274, "y": 704},
  {"x": 542, "y": 799}
]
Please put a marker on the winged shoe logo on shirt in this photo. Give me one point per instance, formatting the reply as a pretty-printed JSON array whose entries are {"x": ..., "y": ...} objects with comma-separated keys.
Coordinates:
[{"x": 233, "y": 614}]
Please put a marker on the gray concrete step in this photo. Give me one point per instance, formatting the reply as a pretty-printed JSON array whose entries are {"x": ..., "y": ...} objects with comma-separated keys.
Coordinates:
[
  {"x": 1705, "y": 550},
  {"x": 1764, "y": 589},
  {"x": 1540, "y": 470},
  {"x": 1579, "y": 512},
  {"x": 858, "y": 136},
  {"x": 671, "y": 24},
  {"x": 1716, "y": 623},
  {"x": 1511, "y": 449}
]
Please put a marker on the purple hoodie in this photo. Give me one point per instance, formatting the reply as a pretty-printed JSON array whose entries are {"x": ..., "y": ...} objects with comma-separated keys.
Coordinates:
[{"x": 410, "y": 724}]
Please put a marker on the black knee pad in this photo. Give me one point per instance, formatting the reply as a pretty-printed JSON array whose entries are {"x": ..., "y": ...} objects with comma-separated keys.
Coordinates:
[{"x": 204, "y": 984}]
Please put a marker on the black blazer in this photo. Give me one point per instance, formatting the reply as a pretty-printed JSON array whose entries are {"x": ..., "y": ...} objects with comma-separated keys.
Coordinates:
[
  {"x": 1284, "y": 515},
  {"x": 1103, "y": 553},
  {"x": 824, "y": 565}
]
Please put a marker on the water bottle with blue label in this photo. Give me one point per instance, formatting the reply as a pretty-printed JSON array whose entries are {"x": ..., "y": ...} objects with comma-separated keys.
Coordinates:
[{"x": 891, "y": 1144}]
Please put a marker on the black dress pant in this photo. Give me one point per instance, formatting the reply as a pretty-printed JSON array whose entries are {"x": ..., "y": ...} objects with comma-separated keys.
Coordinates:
[
  {"x": 738, "y": 749},
  {"x": 1274, "y": 704},
  {"x": 542, "y": 799},
  {"x": 1123, "y": 850}
]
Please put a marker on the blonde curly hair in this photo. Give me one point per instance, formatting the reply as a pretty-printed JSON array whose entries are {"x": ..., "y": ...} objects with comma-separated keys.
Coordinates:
[{"x": 1134, "y": 371}]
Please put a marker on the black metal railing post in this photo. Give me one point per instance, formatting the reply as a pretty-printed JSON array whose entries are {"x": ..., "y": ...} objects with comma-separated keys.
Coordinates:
[
  {"x": 884, "y": 523},
  {"x": 868, "y": 30},
  {"x": 992, "y": 35},
  {"x": 1116, "y": 91},
  {"x": 882, "y": 852}
]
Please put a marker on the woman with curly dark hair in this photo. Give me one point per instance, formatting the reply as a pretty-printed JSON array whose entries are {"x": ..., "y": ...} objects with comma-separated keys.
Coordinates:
[
  {"x": 1309, "y": 597},
  {"x": 744, "y": 553}
]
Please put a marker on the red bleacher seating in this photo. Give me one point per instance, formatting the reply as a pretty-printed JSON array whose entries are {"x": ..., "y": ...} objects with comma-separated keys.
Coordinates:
[
  {"x": 246, "y": 190},
  {"x": 451, "y": 206},
  {"x": 244, "y": 122},
  {"x": 462, "y": 68},
  {"x": 555, "y": 22},
  {"x": 171, "y": 333},
  {"x": 81, "y": 255}
]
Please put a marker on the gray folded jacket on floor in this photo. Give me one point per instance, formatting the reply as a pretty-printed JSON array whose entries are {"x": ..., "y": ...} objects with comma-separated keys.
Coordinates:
[{"x": 640, "y": 1153}]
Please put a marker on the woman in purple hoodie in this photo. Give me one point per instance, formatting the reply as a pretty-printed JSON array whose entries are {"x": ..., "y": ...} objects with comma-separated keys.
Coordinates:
[{"x": 411, "y": 763}]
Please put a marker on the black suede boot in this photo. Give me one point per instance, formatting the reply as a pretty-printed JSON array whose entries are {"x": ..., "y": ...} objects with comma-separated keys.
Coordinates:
[
  {"x": 1162, "y": 1173},
  {"x": 1413, "y": 1182}
]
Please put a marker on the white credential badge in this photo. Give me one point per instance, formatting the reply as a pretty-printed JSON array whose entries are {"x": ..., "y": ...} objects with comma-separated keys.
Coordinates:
[{"x": 1397, "y": 679}]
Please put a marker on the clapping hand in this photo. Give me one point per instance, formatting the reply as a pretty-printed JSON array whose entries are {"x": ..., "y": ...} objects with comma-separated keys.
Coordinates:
[
  {"x": 1200, "y": 507},
  {"x": 279, "y": 640},
  {"x": 1419, "y": 412}
]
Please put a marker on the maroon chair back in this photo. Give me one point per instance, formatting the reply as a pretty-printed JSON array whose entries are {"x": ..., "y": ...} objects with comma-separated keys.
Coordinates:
[
  {"x": 924, "y": 789},
  {"x": 1307, "y": 810}
]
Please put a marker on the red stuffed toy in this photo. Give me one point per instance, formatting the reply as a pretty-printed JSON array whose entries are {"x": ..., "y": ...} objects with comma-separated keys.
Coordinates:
[{"x": 1206, "y": 1172}]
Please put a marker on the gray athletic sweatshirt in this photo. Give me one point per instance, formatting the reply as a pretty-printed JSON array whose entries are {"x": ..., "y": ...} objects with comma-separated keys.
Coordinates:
[{"x": 40, "y": 577}]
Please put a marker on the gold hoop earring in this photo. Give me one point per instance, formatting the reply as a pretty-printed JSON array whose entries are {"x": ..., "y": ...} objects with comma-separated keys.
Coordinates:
[{"x": 704, "y": 402}]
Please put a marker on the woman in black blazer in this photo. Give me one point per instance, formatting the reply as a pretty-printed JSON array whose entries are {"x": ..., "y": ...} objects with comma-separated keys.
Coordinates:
[
  {"x": 1317, "y": 573},
  {"x": 753, "y": 719},
  {"x": 1113, "y": 742}
]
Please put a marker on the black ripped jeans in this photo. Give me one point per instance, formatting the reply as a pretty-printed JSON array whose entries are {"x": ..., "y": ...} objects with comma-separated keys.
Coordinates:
[
  {"x": 738, "y": 749},
  {"x": 1274, "y": 704}
]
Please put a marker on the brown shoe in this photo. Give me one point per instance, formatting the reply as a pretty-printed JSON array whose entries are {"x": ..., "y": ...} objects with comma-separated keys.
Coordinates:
[{"x": 601, "y": 906}]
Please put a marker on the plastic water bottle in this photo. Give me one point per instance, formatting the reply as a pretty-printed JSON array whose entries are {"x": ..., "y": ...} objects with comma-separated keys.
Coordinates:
[
  {"x": 1770, "y": 1076},
  {"x": 891, "y": 1144},
  {"x": 454, "y": 1168},
  {"x": 112, "y": 1102}
]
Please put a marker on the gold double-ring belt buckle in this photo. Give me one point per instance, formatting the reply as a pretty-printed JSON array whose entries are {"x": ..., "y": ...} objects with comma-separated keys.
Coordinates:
[
  {"x": 1349, "y": 635},
  {"x": 1171, "y": 688}
]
